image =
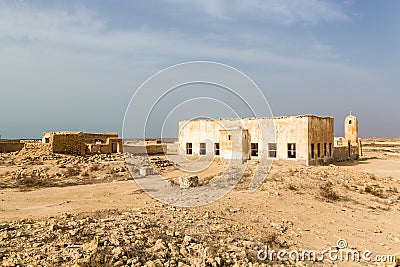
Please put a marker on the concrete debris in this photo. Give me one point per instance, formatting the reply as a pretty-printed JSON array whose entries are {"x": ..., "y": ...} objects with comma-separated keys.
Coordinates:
[{"x": 188, "y": 181}]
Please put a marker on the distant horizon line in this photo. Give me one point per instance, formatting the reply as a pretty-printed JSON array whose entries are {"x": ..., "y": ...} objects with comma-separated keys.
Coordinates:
[{"x": 152, "y": 137}]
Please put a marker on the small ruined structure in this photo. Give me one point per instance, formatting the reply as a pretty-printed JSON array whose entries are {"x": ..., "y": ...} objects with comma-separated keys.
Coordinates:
[
  {"x": 143, "y": 147},
  {"x": 153, "y": 146},
  {"x": 80, "y": 143},
  {"x": 307, "y": 139},
  {"x": 7, "y": 146},
  {"x": 349, "y": 146}
]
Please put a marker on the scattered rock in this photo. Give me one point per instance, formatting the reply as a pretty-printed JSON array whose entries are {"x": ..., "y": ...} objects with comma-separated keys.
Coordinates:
[
  {"x": 188, "y": 181},
  {"x": 91, "y": 246}
]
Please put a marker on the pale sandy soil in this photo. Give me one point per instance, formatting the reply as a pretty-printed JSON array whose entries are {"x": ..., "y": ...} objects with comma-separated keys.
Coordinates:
[{"x": 297, "y": 207}]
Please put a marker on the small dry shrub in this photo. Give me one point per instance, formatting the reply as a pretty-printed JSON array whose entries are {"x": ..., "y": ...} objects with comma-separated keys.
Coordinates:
[
  {"x": 33, "y": 182},
  {"x": 73, "y": 171},
  {"x": 293, "y": 187},
  {"x": 375, "y": 191},
  {"x": 393, "y": 189},
  {"x": 326, "y": 191},
  {"x": 94, "y": 167}
]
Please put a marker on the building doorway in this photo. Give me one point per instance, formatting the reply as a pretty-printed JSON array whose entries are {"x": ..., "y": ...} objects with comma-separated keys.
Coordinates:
[{"x": 114, "y": 147}]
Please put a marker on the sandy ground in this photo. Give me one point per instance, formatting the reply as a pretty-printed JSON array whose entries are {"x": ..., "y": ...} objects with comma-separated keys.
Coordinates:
[{"x": 300, "y": 207}]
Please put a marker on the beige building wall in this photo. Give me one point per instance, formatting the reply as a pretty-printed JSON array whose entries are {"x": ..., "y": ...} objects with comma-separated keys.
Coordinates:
[
  {"x": 237, "y": 138},
  {"x": 196, "y": 132}
]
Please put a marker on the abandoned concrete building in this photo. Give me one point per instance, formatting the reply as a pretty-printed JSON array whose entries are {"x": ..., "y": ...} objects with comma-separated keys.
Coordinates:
[
  {"x": 307, "y": 139},
  {"x": 82, "y": 143}
]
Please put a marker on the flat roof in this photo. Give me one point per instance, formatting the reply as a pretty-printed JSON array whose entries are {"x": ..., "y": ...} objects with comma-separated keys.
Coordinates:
[
  {"x": 274, "y": 118},
  {"x": 76, "y": 132}
]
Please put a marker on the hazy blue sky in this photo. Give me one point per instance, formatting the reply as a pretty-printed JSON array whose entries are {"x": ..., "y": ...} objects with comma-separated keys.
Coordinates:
[{"x": 74, "y": 65}]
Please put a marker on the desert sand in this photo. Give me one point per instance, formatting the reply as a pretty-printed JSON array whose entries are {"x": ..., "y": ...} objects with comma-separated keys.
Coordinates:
[{"x": 61, "y": 210}]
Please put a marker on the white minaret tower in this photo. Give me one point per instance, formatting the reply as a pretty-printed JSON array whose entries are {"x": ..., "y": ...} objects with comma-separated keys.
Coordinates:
[{"x": 351, "y": 129}]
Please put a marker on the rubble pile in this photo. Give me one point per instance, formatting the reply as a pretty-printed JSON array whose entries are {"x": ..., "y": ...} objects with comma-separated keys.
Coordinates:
[
  {"x": 48, "y": 170},
  {"x": 140, "y": 237},
  {"x": 161, "y": 164}
]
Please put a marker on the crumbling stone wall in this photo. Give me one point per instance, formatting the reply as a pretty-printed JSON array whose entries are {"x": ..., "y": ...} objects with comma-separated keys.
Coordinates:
[
  {"x": 67, "y": 143},
  {"x": 344, "y": 153},
  {"x": 7, "y": 146},
  {"x": 36, "y": 145}
]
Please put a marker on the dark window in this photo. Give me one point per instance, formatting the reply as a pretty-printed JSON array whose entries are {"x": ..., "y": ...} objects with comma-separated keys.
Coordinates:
[
  {"x": 229, "y": 137},
  {"x": 202, "y": 148},
  {"x": 349, "y": 148},
  {"x": 312, "y": 151},
  {"x": 254, "y": 149},
  {"x": 325, "y": 150},
  {"x": 216, "y": 147},
  {"x": 114, "y": 147},
  {"x": 47, "y": 140},
  {"x": 330, "y": 150},
  {"x": 291, "y": 150},
  {"x": 272, "y": 147},
  {"x": 189, "y": 150},
  {"x": 350, "y": 122},
  {"x": 319, "y": 150}
]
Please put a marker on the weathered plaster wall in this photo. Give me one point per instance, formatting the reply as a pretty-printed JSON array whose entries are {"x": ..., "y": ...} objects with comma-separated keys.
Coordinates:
[
  {"x": 321, "y": 131},
  {"x": 292, "y": 130},
  {"x": 199, "y": 131},
  {"x": 298, "y": 130}
]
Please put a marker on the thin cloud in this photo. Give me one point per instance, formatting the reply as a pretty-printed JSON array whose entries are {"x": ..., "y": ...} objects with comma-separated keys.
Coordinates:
[
  {"x": 284, "y": 12},
  {"x": 84, "y": 32},
  {"x": 60, "y": 53}
]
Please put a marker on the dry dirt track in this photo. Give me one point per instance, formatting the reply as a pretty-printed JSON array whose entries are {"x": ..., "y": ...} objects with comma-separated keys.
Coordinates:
[{"x": 54, "y": 201}]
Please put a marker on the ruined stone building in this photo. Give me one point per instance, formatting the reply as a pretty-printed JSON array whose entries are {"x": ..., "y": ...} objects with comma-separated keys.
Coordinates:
[
  {"x": 306, "y": 139},
  {"x": 82, "y": 143},
  {"x": 7, "y": 146},
  {"x": 142, "y": 147}
]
